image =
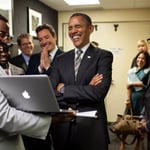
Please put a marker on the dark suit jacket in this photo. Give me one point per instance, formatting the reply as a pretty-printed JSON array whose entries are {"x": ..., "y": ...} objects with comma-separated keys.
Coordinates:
[
  {"x": 89, "y": 133},
  {"x": 35, "y": 62},
  {"x": 19, "y": 61},
  {"x": 32, "y": 143},
  {"x": 147, "y": 110}
]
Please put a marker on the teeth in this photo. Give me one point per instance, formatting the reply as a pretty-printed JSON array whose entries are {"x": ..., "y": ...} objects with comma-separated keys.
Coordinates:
[{"x": 75, "y": 37}]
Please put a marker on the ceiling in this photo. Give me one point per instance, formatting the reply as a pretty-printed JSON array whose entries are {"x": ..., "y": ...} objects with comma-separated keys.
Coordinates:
[{"x": 60, "y": 5}]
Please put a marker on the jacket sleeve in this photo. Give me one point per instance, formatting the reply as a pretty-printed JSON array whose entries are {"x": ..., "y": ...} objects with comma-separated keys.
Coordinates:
[
  {"x": 93, "y": 93},
  {"x": 18, "y": 122}
]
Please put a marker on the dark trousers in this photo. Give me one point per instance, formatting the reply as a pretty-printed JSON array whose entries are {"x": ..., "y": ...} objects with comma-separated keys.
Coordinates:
[
  {"x": 148, "y": 141},
  {"x": 81, "y": 134},
  {"x": 37, "y": 144}
]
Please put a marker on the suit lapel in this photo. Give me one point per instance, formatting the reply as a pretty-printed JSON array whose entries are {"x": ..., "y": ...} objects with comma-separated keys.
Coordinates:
[
  {"x": 70, "y": 59},
  {"x": 22, "y": 61},
  {"x": 58, "y": 52},
  {"x": 86, "y": 60}
]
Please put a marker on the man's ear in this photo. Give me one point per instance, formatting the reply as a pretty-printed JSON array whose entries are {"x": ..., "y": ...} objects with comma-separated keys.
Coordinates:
[{"x": 91, "y": 27}]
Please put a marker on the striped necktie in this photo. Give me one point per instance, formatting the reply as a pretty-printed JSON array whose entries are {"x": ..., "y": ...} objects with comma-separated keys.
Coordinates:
[{"x": 77, "y": 61}]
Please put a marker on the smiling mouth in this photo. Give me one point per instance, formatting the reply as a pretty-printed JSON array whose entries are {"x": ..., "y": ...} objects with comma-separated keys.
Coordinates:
[
  {"x": 75, "y": 37},
  {"x": 45, "y": 45}
]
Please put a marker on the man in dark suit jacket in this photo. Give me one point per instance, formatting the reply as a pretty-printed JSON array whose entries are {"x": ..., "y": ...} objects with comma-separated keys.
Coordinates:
[
  {"x": 41, "y": 63},
  {"x": 26, "y": 45},
  {"x": 34, "y": 64},
  {"x": 78, "y": 93}
]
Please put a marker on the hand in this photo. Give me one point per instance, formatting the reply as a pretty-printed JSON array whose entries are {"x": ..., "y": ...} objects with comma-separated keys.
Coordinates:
[
  {"x": 142, "y": 127},
  {"x": 59, "y": 86},
  {"x": 128, "y": 103},
  {"x": 129, "y": 85},
  {"x": 63, "y": 117},
  {"x": 45, "y": 61},
  {"x": 96, "y": 79},
  {"x": 142, "y": 124}
]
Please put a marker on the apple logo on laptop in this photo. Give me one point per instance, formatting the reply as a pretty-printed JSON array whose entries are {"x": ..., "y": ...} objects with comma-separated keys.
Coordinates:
[{"x": 25, "y": 94}]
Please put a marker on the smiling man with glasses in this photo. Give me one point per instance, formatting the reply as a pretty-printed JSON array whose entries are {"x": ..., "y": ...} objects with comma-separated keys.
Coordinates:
[
  {"x": 5, "y": 49},
  {"x": 26, "y": 45}
]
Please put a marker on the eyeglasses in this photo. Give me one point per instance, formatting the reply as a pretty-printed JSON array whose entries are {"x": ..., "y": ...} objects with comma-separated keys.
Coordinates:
[{"x": 5, "y": 35}]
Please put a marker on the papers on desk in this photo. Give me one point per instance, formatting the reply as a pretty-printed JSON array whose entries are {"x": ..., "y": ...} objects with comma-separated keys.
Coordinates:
[{"x": 91, "y": 114}]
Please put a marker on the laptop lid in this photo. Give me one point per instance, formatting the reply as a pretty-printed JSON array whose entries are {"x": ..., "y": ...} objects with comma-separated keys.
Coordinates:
[{"x": 31, "y": 93}]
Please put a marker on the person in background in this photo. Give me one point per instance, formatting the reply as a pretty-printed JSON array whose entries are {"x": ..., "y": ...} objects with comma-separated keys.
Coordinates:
[
  {"x": 145, "y": 122},
  {"x": 141, "y": 46},
  {"x": 74, "y": 89},
  {"x": 41, "y": 63},
  {"x": 94, "y": 43},
  {"x": 9, "y": 68},
  {"x": 137, "y": 80},
  {"x": 26, "y": 45},
  {"x": 15, "y": 123}
]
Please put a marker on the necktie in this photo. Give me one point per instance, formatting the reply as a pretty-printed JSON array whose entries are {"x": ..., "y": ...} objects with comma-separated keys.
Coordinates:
[
  {"x": 77, "y": 61},
  {"x": 50, "y": 57}
]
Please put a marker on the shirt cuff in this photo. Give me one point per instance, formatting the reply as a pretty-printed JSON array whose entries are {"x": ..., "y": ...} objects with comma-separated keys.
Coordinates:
[
  {"x": 62, "y": 90},
  {"x": 40, "y": 70}
]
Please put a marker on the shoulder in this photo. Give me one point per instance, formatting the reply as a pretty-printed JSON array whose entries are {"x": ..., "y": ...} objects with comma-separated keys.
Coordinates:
[
  {"x": 66, "y": 54},
  {"x": 102, "y": 54},
  {"x": 35, "y": 56},
  {"x": 105, "y": 51},
  {"x": 16, "y": 57},
  {"x": 63, "y": 57},
  {"x": 16, "y": 70},
  {"x": 59, "y": 51},
  {"x": 99, "y": 51},
  {"x": 132, "y": 70}
]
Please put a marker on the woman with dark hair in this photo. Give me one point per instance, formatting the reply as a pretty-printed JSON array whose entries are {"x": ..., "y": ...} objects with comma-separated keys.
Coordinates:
[{"x": 137, "y": 81}]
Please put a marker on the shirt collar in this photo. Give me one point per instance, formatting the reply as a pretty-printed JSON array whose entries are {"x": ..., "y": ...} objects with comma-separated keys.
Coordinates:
[
  {"x": 84, "y": 49},
  {"x": 26, "y": 58},
  {"x": 53, "y": 52}
]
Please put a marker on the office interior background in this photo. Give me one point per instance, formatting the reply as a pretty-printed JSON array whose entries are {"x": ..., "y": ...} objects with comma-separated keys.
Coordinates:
[{"x": 119, "y": 24}]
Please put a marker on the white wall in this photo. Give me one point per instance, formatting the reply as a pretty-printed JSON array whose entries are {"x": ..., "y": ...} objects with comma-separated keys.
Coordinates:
[{"x": 133, "y": 25}]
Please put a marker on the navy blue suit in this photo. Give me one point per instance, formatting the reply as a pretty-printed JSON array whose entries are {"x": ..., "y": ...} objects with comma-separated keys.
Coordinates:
[
  {"x": 35, "y": 62},
  {"x": 82, "y": 133}
]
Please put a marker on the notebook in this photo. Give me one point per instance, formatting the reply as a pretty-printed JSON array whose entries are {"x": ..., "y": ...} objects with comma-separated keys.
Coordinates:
[{"x": 31, "y": 93}]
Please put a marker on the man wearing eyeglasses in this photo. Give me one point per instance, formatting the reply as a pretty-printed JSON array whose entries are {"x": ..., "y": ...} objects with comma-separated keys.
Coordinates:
[
  {"x": 13, "y": 122},
  {"x": 5, "y": 50},
  {"x": 26, "y": 45}
]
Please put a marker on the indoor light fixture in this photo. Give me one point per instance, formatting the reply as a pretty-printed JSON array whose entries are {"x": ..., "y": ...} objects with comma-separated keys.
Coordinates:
[
  {"x": 82, "y": 2},
  {"x": 5, "y": 5}
]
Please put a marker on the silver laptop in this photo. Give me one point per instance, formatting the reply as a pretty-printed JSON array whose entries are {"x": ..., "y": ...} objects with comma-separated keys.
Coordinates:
[{"x": 31, "y": 93}]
